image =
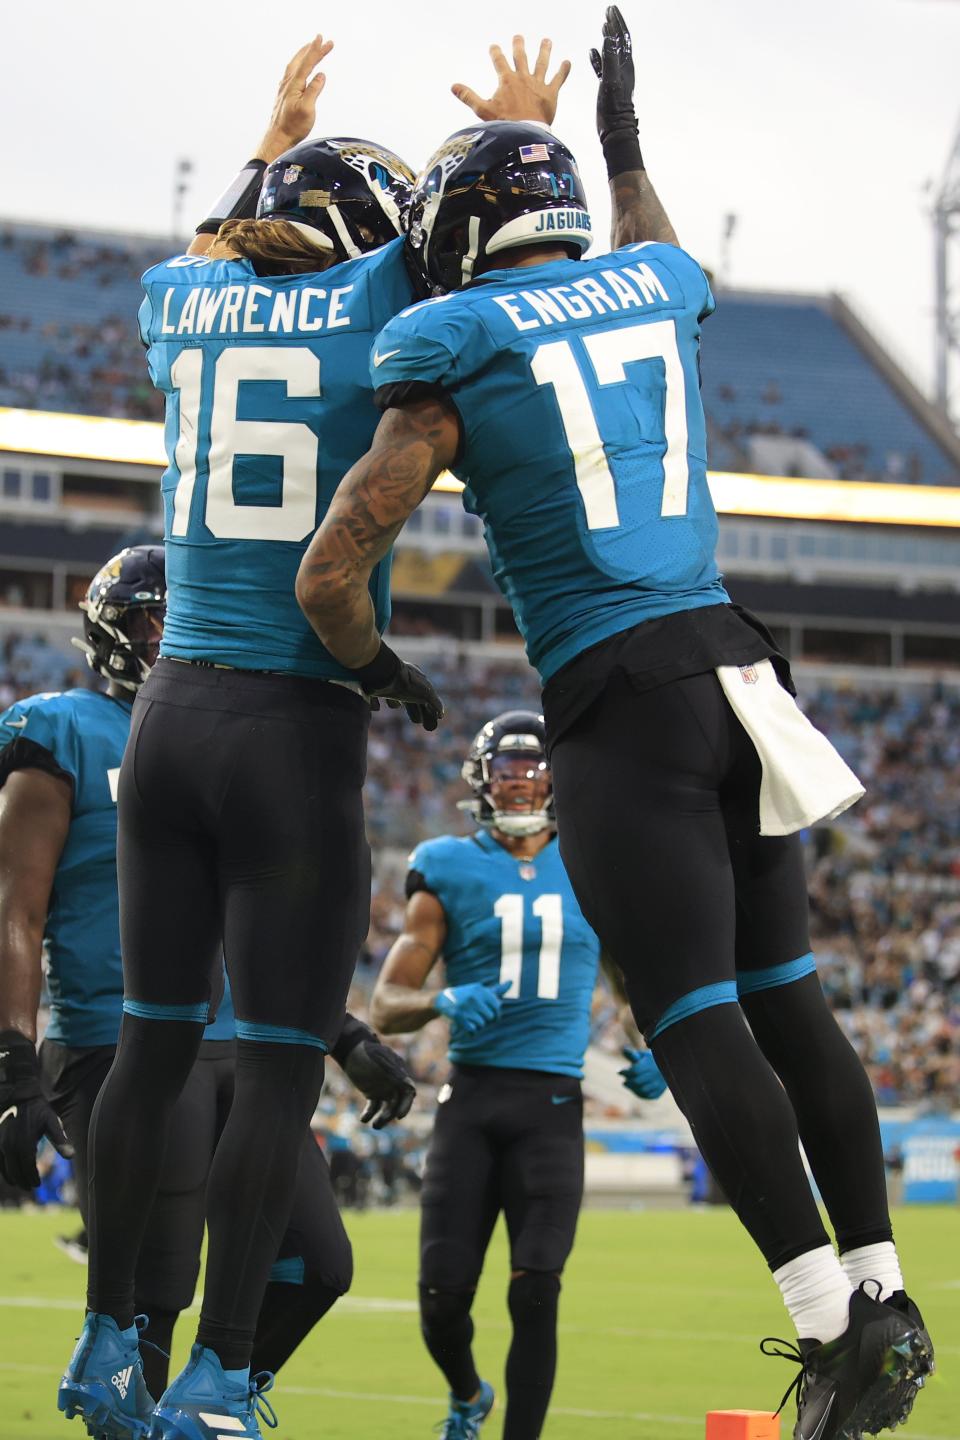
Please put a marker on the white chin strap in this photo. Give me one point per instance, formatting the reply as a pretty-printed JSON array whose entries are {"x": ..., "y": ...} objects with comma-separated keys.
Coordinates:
[
  {"x": 517, "y": 825},
  {"x": 309, "y": 232},
  {"x": 340, "y": 225}
]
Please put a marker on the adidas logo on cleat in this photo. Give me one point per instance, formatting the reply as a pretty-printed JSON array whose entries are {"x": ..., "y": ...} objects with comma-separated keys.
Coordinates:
[{"x": 122, "y": 1381}]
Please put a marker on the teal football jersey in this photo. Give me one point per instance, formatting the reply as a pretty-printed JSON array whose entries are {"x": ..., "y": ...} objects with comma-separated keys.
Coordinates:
[
  {"x": 86, "y": 732},
  {"x": 268, "y": 405},
  {"x": 584, "y": 441},
  {"x": 515, "y": 920}
]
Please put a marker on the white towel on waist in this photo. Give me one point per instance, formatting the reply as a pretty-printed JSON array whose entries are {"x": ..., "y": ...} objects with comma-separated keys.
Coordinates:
[{"x": 804, "y": 778}]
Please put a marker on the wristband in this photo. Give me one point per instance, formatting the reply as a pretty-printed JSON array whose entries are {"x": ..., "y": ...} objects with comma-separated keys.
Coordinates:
[
  {"x": 238, "y": 201},
  {"x": 621, "y": 150},
  {"x": 380, "y": 672},
  {"x": 354, "y": 1033}
]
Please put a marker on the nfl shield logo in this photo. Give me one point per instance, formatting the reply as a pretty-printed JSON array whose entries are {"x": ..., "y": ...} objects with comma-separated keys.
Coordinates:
[
  {"x": 748, "y": 674},
  {"x": 292, "y": 172}
]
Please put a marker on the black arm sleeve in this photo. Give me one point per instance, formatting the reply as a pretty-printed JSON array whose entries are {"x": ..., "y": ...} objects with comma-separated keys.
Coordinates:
[
  {"x": 24, "y": 754},
  {"x": 408, "y": 392},
  {"x": 415, "y": 882},
  {"x": 353, "y": 1033}
]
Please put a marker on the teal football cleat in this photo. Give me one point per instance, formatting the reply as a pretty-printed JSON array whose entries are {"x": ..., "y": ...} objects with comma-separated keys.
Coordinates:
[
  {"x": 205, "y": 1403},
  {"x": 104, "y": 1384},
  {"x": 466, "y": 1416}
]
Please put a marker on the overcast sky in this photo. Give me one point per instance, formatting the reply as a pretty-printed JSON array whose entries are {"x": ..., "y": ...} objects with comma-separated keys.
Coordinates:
[{"x": 817, "y": 125}]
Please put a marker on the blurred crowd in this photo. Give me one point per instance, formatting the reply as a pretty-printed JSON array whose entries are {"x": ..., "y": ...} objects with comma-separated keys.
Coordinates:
[
  {"x": 90, "y": 362},
  {"x": 884, "y": 879}
]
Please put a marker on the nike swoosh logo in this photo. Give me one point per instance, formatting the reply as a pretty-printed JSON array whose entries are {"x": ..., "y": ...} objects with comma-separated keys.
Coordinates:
[
  {"x": 821, "y": 1427},
  {"x": 8, "y": 1113},
  {"x": 17, "y": 724},
  {"x": 378, "y": 359},
  {"x": 560, "y": 1099}
]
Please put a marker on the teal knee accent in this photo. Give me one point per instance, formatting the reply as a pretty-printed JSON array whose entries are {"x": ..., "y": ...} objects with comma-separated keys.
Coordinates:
[
  {"x": 144, "y": 1011},
  {"x": 278, "y": 1035},
  {"x": 785, "y": 974},
  {"x": 723, "y": 993},
  {"x": 290, "y": 1271}
]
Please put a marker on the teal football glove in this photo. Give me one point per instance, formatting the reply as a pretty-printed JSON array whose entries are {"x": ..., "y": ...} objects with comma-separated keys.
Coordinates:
[
  {"x": 642, "y": 1076},
  {"x": 471, "y": 1006}
]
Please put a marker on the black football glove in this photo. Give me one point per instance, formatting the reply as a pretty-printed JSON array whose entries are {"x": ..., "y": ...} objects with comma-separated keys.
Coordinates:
[
  {"x": 389, "y": 678},
  {"x": 26, "y": 1117},
  {"x": 614, "y": 70},
  {"x": 382, "y": 1076}
]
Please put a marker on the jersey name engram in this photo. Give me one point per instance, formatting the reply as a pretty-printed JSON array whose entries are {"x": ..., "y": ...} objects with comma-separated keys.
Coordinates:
[{"x": 584, "y": 440}]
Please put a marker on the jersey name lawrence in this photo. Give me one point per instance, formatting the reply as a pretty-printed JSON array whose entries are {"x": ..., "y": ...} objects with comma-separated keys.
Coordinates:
[
  {"x": 80, "y": 736},
  {"x": 518, "y": 921},
  {"x": 268, "y": 404},
  {"x": 584, "y": 440}
]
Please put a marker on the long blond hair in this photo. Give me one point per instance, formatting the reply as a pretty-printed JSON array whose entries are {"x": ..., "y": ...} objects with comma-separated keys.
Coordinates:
[{"x": 275, "y": 247}]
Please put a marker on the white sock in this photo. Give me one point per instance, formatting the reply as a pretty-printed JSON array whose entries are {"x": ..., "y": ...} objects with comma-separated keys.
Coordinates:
[
  {"x": 816, "y": 1291},
  {"x": 874, "y": 1262}
]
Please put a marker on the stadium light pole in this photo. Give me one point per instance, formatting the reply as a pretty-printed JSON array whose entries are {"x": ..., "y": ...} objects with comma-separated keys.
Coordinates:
[
  {"x": 181, "y": 184},
  {"x": 946, "y": 231}
]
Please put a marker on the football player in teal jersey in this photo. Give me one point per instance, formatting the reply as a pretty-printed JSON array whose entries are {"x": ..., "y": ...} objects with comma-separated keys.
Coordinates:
[
  {"x": 563, "y": 391},
  {"x": 60, "y": 755},
  {"x": 240, "y": 793},
  {"x": 520, "y": 965}
]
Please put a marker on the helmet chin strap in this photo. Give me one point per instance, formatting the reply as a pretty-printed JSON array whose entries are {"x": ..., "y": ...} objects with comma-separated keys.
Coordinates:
[{"x": 518, "y": 826}]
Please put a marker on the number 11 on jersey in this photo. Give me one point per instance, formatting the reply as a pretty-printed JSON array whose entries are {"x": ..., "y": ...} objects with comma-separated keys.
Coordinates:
[{"x": 549, "y": 911}]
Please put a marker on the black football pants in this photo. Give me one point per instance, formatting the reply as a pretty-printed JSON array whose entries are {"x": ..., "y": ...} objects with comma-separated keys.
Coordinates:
[{"x": 657, "y": 807}]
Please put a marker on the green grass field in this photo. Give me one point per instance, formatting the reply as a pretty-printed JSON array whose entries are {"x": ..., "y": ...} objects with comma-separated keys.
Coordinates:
[{"x": 660, "y": 1318}]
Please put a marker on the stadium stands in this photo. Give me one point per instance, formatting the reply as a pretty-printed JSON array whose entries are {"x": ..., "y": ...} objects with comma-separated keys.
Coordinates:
[
  {"x": 791, "y": 384},
  {"x": 784, "y": 376}
]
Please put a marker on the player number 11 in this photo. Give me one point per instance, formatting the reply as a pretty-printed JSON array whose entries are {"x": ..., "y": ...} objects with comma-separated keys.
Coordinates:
[
  {"x": 610, "y": 351},
  {"x": 549, "y": 911}
]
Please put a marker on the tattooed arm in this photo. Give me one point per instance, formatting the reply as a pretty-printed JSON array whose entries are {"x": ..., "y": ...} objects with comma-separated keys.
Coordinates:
[
  {"x": 413, "y": 444},
  {"x": 637, "y": 212}
]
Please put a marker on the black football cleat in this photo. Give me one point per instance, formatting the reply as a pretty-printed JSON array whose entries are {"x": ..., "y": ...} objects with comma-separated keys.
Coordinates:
[
  {"x": 908, "y": 1390},
  {"x": 865, "y": 1380}
]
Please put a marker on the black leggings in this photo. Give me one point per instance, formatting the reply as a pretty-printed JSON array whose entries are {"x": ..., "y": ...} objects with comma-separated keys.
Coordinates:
[
  {"x": 657, "y": 806},
  {"x": 240, "y": 823}
]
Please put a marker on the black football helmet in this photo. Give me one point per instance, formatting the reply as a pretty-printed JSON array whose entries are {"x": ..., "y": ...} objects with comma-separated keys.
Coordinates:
[
  {"x": 352, "y": 195},
  {"x": 515, "y": 732},
  {"x": 490, "y": 188},
  {"x": 123, "y": 612}
]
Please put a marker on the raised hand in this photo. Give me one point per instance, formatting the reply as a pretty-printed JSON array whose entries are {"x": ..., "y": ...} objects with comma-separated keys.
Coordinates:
[
  {"x": 520, "y": 93},
  {"x": 614, "y": 70},
  {"x": 295, "y": 108}
]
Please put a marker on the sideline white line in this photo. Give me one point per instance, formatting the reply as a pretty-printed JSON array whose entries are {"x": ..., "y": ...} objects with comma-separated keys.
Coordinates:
[{"x": 324, "y": 1393}]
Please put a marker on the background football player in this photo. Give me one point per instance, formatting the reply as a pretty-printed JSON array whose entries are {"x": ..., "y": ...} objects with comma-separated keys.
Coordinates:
[
  {"x": 240, "y": 794},
  {"x": 59, "y": 759},
  {"x": 520, "y": 967},
  {"x": 565, "y": 394}
]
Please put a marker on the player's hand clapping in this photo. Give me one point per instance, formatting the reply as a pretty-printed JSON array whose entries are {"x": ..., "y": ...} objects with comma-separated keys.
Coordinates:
[
  {"x": 472, "y": 1006},
  {"x": 26, "y": 1116},
  {"x": 614, "y": 69},
  {"x": 642, "y": 1076},
  {"x": 295, "y": 108},
  {"x": 381, "y": 1074},
  {"x": 520, "y": 93}
]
